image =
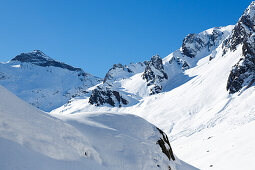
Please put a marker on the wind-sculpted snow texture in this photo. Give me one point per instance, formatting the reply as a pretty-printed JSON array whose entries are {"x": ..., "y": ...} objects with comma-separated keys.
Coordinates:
[{"x": 44, "y": 82}]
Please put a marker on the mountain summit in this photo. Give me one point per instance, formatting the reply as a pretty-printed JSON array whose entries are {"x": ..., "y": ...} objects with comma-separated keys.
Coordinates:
[
  {"x": 37, "y": 57},
  {"x": 44, "y": 82}
]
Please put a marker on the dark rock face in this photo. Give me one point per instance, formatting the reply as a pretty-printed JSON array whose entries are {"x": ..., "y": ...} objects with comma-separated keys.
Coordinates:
[
  {"x": 39, "y": 58},
  {"x": 240, "y": 33},
  {"x": 165, "y": 145},
  {"x": 102, "y": 96},
  {"x": 214, "y": 38},
  {"x": 156, "y": 61},
  {"x": 154, "y": 74},
  {"x": 193, "y": 43},
  {"x": 243, "y": 73}
]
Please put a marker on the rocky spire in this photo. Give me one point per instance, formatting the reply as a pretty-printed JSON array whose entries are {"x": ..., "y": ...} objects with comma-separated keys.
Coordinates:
[{"x": 154, "y": 74}]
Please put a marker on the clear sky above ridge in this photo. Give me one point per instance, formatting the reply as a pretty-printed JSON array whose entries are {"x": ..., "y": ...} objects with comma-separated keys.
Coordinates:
[{"x": 95, "y": 34}]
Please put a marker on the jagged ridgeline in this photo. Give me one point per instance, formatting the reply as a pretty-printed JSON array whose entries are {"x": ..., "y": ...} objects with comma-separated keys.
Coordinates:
[{"x": 157, "y": 75}]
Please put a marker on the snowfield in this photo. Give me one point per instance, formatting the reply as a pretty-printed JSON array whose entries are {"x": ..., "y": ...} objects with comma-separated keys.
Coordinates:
[
  {"x": 31, "y": 139},
  {"x": 222, "y": 147}
]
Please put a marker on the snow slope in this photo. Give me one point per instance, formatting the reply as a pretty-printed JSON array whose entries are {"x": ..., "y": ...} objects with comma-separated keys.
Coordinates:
[
  {"x": 32, "y": 139},
  {"x": 196, "y": 109},
  {"x": 222, "y": 147},
  {"x": 44, "y": 82}
]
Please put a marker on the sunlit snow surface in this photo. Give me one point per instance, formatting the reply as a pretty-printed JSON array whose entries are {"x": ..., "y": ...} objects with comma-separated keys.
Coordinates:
[
  {"x": 31, "y": 139},
  {"x": 209, "y": 128},
  {"x": 46, "y": 88}
]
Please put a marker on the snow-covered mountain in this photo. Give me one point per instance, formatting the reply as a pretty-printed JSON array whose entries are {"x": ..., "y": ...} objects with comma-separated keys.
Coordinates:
[
  {"x": 136, "y": 81},
  {"x": 201, "y": 96},
  {"x": 31, "y": 139},
  {"x": 44, "y": 82},
  {"x": 205, "y": 101}
]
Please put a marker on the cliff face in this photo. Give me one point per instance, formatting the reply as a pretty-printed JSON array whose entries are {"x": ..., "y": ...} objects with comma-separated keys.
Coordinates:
[
  {"x": 154, "y": 75},
  {"x": 243, "y": 72}
]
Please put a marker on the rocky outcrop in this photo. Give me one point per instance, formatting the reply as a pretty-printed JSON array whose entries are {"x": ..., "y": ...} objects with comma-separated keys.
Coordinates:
[
  {"x": 165, "y": 146},
  {"x": 109, "y": 92},
  {"x": 194, "y": 43},
  {"x": 191, "y": 44},
  {"x": 243, "y": 73},
  {"x": 105, "y": 95},
  {"x": 154, "y": 75}
]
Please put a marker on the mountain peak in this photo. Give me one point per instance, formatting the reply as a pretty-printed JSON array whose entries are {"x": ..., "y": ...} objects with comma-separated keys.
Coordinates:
[
  {"x": 37, "y": 57},
  {"x": 250, "y": 10},
  {"x": 248, "y": 17},
  {"x": 33, "y": 57},
  {"x": 156, "y": 61},
  {"x": 243, "y": 30},
  {"x": 40, "y": 53}
]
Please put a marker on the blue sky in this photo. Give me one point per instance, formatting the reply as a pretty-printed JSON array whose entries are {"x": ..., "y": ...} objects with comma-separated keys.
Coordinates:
[{"x": 95, "y": 34}]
